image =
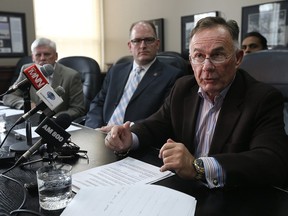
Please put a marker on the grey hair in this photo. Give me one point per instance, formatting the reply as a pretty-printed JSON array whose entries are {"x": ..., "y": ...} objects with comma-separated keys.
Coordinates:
[
  {"x": 208, "y": 22},
  {"x": 43, "y": 42}
]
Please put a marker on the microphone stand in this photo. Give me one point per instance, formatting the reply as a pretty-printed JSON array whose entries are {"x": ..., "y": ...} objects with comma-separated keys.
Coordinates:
[
  {"x": 51, "y": 157},
  {"x": 24, "y": 146}
]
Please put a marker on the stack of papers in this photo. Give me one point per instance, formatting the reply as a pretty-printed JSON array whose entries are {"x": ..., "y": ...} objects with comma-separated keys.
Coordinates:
[
  {"x": 122, "y": 189},
  {"x": 127, "y": 171},
  {"x": 140, "y": 200},
  {"x": 10, "y": 112}
]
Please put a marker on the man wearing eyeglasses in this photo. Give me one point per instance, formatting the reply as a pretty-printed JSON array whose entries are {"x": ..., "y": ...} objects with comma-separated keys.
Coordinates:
[
  {"x": 134, "y": 90},
  {"x": 220, "y": 127}
]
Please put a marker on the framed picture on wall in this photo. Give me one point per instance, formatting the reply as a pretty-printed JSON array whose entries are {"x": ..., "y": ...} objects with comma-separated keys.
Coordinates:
[
  {"x": 159, "y": 24},
  {"x": 12, "y": 35},
  {"x": 269, "y": 19},
  {"x": 187, "y": 24}
]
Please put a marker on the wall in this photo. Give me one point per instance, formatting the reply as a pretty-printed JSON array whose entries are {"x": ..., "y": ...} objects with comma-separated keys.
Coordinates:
[
  {"x": 119, "y": 14},
  {"x": 20, "y": 6}
]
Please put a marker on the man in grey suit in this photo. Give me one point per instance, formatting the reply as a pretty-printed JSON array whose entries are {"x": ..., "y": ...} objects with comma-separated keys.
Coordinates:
[
  {"x": 44, "y": 52},
  {"x": 156, "y": 77},
  {"x": 221, "y": 127}
]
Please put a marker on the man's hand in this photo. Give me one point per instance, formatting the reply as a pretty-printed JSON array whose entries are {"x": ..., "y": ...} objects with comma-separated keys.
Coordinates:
[
  {"x": 176, "y": 157},
  {"x": 119, "y": 139},
  {"x": 105, "y": 129}
]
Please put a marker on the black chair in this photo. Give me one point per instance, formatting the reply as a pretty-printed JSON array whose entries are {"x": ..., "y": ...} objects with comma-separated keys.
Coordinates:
[
  {"x": 124, "y": 59},
  {"x": 169, "y": 57},
  {"x": 270, "y": 66},
  {"x": 22, "y": 61},
  {"x": 90, "y": 75},
  {"x": 175, "y": 59}
]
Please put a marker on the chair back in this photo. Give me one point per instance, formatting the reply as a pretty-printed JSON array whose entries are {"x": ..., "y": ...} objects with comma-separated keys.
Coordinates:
[
  {"x": 169, "y": 57},
  {"x": 270, "y": 66},
  {"x": 90, "y": 75},
  {"x": 22, "y": 61},
  {"x": 175, "y": 59}
]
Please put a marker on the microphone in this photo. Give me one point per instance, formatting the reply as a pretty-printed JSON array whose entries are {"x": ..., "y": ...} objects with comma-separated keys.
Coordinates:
[
  {"x": 53, "y": 132},
  {"x": 34, "y": 76},
  {"x": 41, "y": 106}
]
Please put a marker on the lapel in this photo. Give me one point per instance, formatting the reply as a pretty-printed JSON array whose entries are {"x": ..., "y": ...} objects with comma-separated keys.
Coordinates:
[
  {"x": 120, "y": 79},
  {"x": 57, "y": 77},
  {"x": 229, "y": 115},
  {"x": 154, "y": 72},
  {"x": 191, "y": 108}
]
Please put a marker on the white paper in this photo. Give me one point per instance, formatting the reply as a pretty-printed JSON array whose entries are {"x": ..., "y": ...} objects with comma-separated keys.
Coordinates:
[
  {"x": 140, "y": 200},
  {"x": 22, "y": 131},
  {"x": 127, "y": 171},
  {"x": 11, "y": 112}
]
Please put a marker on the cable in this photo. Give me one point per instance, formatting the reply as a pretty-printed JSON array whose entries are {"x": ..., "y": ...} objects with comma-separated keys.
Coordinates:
[
  {"x": 9, "y": 131},
  {"x": 25, "y": 211},
  {"x": 19, "y": 209},
  {"x": 19, "y": 183}
]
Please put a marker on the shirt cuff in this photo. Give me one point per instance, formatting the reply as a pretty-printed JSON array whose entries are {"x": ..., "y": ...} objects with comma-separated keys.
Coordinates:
[
  {"x": 135, "y": 142},
  {"x": 214, "y": 173}
]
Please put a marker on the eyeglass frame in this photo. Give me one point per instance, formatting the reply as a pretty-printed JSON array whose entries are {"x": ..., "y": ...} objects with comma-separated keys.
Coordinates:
[
  {"x": 192, "y": 59},
  {"x": 146, "y": 40}
]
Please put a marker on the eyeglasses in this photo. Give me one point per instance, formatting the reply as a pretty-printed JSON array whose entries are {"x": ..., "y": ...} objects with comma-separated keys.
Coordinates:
[
  {"x": 217, "y": 58},
  {"x": 147, "y": 40}
]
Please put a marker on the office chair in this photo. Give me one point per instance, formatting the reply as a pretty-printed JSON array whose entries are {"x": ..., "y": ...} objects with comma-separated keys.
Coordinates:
[
  {"x": 124, "y": 59},
  {"x": 175, "y": 59},
  {"x": 169, "y": 57},
  {"x": 270, "y": 66},
  {"x": 22, "y": 61},
  {"x": 90, "y": 75}
]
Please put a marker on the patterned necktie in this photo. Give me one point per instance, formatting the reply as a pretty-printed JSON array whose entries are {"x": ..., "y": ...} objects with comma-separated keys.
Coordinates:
[{"x": 117, "y": 117}]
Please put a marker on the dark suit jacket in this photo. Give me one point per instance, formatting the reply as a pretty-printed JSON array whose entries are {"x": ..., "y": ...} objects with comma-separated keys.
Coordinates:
[
  {"x": 249, "y": 139},
  {"x": 148, "y": 97}
]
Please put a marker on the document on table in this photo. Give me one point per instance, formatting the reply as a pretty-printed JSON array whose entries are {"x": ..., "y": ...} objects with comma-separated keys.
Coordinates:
[
  {"x": 22, "y": 131},
  {"x": 140, "y": 200},
  {"x": 127, "y": 171},
  {"x": 9, "y": 111}
]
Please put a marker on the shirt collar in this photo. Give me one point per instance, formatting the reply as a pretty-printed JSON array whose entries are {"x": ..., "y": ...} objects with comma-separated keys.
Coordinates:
[
  {"x": 222, "y": 94},
  {"x": 145, "y": 67}
]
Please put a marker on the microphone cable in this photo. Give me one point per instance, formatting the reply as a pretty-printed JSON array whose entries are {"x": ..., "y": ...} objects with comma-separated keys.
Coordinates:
[{"x": 19, "y": 209}]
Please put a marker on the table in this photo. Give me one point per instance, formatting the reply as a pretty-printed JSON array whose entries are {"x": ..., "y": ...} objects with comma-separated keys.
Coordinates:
[{"x": 227, "y": 201}]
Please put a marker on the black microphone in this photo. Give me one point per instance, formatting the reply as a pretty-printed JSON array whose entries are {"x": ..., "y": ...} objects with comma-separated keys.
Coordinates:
[
  {"x": 52, "y": 132},
  {"x": 41, "y": 106},
  {"x": 37, "y": 78}
]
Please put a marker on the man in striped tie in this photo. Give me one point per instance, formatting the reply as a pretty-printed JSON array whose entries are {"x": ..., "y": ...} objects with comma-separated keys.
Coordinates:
[{"x": 134, "y": 90}]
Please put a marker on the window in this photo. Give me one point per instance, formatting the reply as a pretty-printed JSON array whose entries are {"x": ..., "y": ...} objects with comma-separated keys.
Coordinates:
[{"x": 74, "y": 25}]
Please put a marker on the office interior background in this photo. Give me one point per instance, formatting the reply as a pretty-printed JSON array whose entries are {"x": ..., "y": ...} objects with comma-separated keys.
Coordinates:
[{"x": 99, "y": 28}]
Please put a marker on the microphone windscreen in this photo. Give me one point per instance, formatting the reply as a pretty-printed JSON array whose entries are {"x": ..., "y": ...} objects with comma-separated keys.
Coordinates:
[
  {"x": 60, "y": 90},
  {"x": 63, "y": 120},
  {"x": 47, "y": 70}
]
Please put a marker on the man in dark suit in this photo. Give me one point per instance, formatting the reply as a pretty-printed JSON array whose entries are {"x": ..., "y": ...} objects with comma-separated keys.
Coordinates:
[
  {"x": 221, "y": 127},
  {"x": 156, "y": 77}
]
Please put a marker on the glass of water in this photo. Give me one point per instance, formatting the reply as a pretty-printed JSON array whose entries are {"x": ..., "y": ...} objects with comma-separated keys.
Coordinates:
[{"x": 54, "y": 186}]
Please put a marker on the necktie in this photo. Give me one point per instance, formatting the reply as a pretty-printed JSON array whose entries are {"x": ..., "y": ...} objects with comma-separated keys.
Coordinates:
[{"x": 117, "y": 117}]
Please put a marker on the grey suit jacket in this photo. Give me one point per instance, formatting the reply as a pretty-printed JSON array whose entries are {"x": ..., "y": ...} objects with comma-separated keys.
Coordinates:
[
  {"x": 249, "y": 139},
  {"x": 148, "y": 97},
  {"x": 69, "y": 79}
]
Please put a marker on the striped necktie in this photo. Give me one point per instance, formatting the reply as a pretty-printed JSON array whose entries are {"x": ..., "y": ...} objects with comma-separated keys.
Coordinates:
[{"x": 117, "y": 117}]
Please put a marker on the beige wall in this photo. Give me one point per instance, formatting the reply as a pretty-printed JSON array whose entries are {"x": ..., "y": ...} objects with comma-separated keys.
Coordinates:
[
  {"x": 119, "y": 14},
  {"x": 22, "y": 6}
]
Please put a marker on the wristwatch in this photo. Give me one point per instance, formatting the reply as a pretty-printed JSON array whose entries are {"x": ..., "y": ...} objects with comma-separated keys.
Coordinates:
[{"x": 199, "y": 167}]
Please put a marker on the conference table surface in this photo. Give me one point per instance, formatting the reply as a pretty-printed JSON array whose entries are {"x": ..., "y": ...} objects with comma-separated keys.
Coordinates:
[{"x": 244, "y": 201}]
